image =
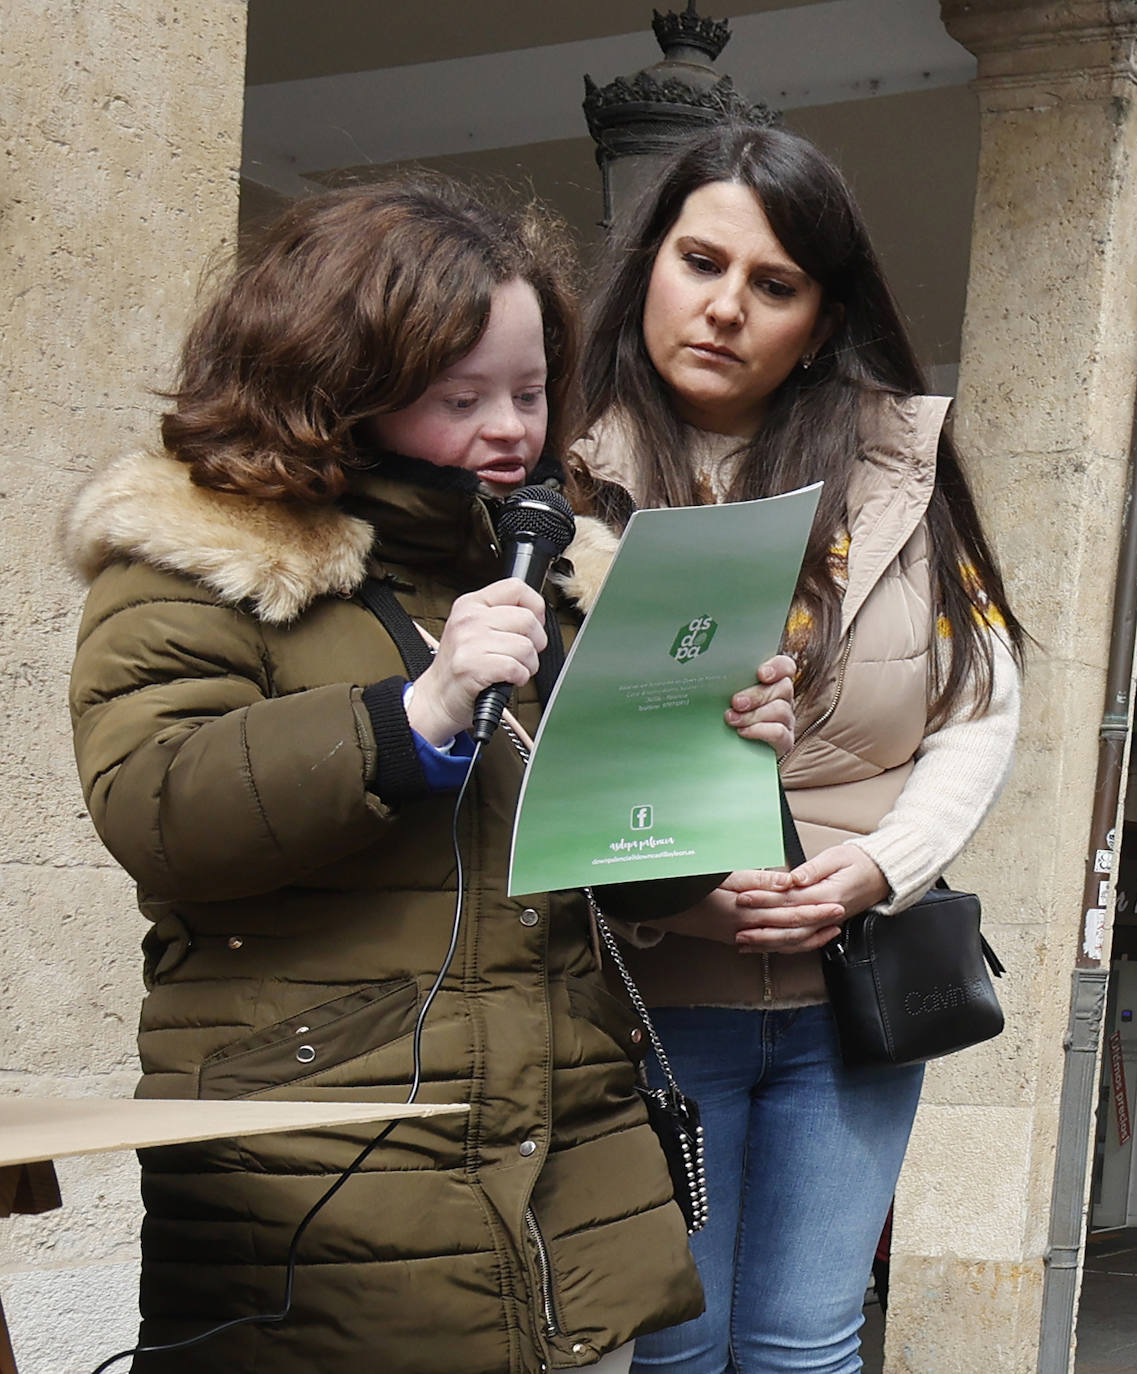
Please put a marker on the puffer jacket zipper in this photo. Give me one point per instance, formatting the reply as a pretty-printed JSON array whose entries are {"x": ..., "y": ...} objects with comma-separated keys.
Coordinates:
[
  {"x": 828, "y": 712},
  {"x": 767, "y": 972},
  {"x": 552, "y": 1324}
]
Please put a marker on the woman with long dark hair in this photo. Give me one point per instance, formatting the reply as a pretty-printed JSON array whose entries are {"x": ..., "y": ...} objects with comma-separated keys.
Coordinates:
[{"x": 743, "y": 343}]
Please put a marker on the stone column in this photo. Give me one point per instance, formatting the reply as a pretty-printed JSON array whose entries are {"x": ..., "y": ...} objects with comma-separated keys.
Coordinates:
[
  {"x": 121, "y": 126},
  {"x": 1044, "y": 413}
]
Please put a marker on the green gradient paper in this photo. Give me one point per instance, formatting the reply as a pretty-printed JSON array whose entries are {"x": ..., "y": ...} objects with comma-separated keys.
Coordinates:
[{"x": 635, "y": 775}]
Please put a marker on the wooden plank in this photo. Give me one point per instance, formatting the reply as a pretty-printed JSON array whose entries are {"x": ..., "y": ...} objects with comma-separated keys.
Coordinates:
[{"x": 52, "y": 1128}]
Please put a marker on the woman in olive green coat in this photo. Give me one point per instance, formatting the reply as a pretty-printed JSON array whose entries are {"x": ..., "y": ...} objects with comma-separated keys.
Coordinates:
[
  {"x": 247, "y": 755},
  {"x": 250, "y": 755}
]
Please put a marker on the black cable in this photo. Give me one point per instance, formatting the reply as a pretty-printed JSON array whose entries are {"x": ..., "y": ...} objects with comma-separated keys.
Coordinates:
[{"x": 265, "y": 1318}]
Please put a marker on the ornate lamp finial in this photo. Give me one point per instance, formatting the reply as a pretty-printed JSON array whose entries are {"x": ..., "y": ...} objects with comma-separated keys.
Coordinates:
[
  {"x": 640, "y": 116},
  {"x": 690, "y": 30}
]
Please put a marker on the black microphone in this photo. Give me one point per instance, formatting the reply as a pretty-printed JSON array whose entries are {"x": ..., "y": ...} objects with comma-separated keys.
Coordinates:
[{"x": 535, "y": 526}]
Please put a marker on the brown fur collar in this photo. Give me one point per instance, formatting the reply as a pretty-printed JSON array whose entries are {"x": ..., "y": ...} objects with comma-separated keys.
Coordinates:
[{"x": 277, "y": 555}]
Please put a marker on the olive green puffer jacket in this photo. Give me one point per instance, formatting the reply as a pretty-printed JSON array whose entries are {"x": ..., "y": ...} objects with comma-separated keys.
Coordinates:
[{"x": 299, "y": 876}]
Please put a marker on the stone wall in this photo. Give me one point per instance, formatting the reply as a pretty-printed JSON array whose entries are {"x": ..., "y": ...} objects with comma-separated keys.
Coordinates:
[{"x": 121, "y": 127}]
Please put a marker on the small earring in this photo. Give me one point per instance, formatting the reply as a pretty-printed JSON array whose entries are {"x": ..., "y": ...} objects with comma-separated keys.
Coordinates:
[{"x": 807, "y": 361}]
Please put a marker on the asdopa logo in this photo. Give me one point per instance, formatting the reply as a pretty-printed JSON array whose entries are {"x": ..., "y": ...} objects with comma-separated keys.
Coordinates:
[{"x": 693, "y": 639}]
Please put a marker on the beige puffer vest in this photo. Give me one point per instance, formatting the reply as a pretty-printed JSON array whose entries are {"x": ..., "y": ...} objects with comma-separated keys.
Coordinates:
[{"x": 855, "y": 751}]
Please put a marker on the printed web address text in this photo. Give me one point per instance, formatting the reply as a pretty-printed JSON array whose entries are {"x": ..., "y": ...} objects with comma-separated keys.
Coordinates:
[{"x": 658, "y": 854}]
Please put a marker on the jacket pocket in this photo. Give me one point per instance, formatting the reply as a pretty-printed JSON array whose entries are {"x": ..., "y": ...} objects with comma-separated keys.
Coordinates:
[
  {"x": 311, "y": 1042},
  {"x": 616, "y": 1019}
]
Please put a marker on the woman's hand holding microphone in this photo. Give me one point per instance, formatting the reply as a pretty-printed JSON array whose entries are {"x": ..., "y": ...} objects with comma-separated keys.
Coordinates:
[{"x": 494, "y": 634}]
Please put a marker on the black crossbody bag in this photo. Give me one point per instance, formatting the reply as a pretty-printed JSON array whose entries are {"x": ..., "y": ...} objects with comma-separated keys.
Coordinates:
[{"x": 913, "y": 986}]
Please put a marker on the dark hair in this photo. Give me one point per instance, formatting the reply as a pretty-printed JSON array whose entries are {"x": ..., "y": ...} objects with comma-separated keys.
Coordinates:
[
  {"x": 348, "y": 306},
  {"x": 810, "y": 428}
]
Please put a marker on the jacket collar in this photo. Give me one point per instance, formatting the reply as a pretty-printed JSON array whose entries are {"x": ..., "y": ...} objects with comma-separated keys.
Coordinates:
[
  {"x": 433, "y": 518},
  {"x": 277, "y": 557},
  {"x": 425, "y": 519},
  {"x": 890, "y": 487},
  {"x": 888, "y": 493}
]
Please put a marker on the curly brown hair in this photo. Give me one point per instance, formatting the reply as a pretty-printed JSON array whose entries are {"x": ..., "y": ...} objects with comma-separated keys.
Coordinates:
[{"x": 348, "y": 306}]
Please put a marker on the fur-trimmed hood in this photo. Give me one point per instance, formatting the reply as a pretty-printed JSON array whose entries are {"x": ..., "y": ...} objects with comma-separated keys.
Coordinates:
[{"x": 276, "y": 556}]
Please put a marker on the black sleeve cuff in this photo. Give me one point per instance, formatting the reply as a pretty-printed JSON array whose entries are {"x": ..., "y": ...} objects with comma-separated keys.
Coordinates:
[{"x": 399, "y": 775}]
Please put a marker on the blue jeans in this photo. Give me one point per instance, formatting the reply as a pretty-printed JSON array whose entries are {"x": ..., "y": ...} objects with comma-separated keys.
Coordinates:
[{"x": 802, "y": 1161}]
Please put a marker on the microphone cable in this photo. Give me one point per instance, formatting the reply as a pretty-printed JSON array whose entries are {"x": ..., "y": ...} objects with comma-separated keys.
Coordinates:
[{"x": 266, "y": 1318}]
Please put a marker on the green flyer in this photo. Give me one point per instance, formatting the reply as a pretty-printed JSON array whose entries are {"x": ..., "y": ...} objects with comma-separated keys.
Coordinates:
[{"x": 634, "y": 773}]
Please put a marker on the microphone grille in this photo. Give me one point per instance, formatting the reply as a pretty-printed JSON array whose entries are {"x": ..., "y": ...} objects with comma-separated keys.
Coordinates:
[{"x": 537, "y": 513}]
